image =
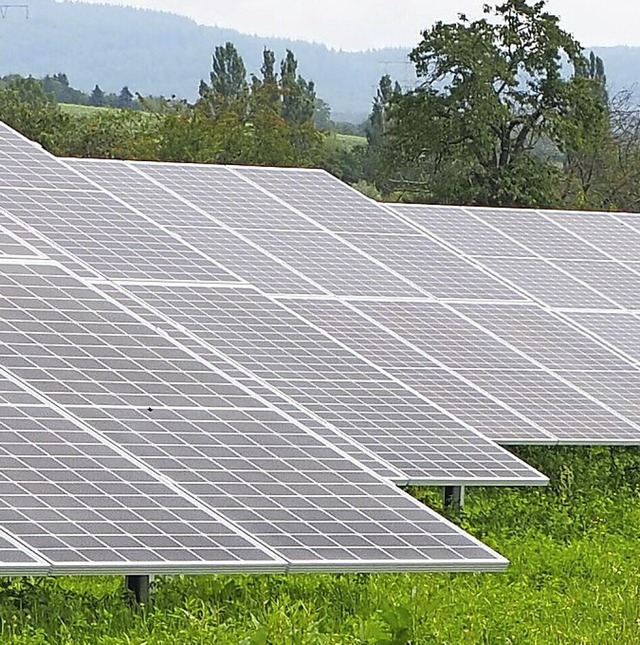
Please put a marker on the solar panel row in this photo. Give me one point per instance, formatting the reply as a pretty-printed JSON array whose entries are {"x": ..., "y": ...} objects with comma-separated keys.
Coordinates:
[{"x": 440, "y": 290}]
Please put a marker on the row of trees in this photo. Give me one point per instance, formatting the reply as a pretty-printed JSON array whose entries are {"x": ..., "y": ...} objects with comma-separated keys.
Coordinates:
[
  {"x": 259, "y": 119},
  {"x": 509, "y": 112}
]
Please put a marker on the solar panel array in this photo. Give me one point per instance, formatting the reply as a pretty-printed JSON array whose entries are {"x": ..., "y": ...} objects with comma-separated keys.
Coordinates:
[
  {"x": 216, "y": 368},
  {"x": 128, "y": 445}
]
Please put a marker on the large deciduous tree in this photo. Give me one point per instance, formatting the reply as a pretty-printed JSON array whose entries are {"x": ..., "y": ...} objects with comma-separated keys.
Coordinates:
[{"x": 495, "y": 93}]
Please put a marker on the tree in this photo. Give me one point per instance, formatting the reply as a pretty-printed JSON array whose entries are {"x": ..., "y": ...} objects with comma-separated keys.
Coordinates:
[
  {"x": 298, "y": 95},
  {"x": 125, "y": 98},
  {"x": 492, "y": 91},
  {"x": 97, "y": 97},
  {"x": 227, "y": 80}
]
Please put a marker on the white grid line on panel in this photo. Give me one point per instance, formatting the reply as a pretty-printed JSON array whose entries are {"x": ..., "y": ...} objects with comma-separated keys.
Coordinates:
[
  {"x": 45, "y": 240},
  {"x": 230, "y": 230},
  {"x": 420, "y": 232},
  {"x": 402, "y": 478}
]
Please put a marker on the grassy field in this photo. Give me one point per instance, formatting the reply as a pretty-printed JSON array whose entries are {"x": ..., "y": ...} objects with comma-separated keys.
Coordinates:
[
  {"x": 574, "y": 578},
  {"x": 81, "y": 110}
]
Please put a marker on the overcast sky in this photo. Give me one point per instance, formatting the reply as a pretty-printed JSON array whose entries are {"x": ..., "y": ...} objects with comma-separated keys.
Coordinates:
[{"x": 364, "y": 24}]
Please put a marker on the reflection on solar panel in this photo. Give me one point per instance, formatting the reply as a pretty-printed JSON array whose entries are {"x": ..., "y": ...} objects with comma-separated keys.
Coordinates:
[{"x": 335, "y": 384}]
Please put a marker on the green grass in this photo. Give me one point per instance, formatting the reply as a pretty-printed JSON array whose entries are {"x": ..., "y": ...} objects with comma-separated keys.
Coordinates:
[
  {"x": 347, "y": 141},
  {"x": 574, "y": 578},
  {"x": 81, "y": 110}
]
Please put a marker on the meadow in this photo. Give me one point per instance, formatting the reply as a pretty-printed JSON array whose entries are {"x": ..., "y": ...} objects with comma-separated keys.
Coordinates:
[{"x": 574, "y": 578}]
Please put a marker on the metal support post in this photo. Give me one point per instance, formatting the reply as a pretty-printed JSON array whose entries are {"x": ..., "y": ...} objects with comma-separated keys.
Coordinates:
[
  {"x": 139, "y": 587},
  {"x": 453, "y": 498}
]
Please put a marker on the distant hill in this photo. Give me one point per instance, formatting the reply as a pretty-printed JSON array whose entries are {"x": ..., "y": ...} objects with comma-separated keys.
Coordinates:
[{"x": 161, "y": 53}]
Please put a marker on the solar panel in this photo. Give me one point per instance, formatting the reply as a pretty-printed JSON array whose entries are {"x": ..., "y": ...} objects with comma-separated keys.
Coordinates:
[
  {"x": 24, "y": 164},
  {"x": 124, "y": 180},
  {"x": 416, "y": 368},
  {"x": 548, "y": 283},
  {"x": 223, "y": 195},
  {"x": 270, "y": 477},
  {"x": 619, "y": 282},
  {"x": 621, "y": 330},
  {"x": 433, "y": 268},
  {"x": 335, "y": 384},
  {"x": 546, "y": 338},
  {"x": 17, "y": 560},
  {"x": 337, "y": 267},
  {"x": 459, "y": 227},
  {"x": 11, "y": 246},
  {"x": 438, "y": 331},
  {"x": 84, "y": 507},
  {"x": 274, "y": 480},
  {"x": 109, "y": 237},
  {"x": 538, "y": 233},
  {"x": 553, "y": 404},
  {"x": 605, "y": 231},
  {"x": 325, "y": 199},
  {"x": 246, "y": 260},
  {"x": 618, "y": 390}
]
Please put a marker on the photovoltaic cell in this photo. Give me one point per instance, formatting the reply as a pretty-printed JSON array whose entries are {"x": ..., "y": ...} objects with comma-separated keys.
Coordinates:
[
  {"x": 334, "y": 384},
  {"x": 337, "y": 267},
  {"x": 254, "y": 467},
  {"x": 24, "y": 164},
  {"x": 555, "y": 406},
  {"x": 604, "y": 230},
  {"x": 620, "y": 329},
  {"x": 109, "y": 237},
  {"x": 461, "y": 229},
  {"x": 494, "y": 419},
  {"x": 438, "y": 331},
  {"x": 223, "y": 195},
  {"x": 296, "y": 494},
  {"x": 325, "y": 199},
  {"x": 433, "y": 268},
  {"x": 12, "y": 246},
  {"x": 15, "y": 560},
  {"x": 84, "y": 506},
  {"x": 544, "y": 282},
  {"x": 619, "y": 390}
]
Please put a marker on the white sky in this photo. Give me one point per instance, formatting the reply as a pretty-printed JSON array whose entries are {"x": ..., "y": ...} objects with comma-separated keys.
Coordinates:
[{"x": 364, "y": 24}]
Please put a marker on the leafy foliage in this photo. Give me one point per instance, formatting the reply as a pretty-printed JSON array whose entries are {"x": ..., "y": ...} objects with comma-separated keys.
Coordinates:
[{"x": 491, "y": 91}]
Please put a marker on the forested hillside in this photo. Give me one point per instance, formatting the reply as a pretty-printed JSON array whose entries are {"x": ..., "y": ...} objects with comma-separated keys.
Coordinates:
[{"x": 161, "y": 53}]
